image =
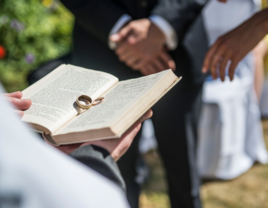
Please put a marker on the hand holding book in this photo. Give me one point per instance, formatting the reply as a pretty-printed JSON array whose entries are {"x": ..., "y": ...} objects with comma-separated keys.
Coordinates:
[
  {"x": 20, "y": 104},
  {"x": 116, "y": 147},
  {"x": 55, "y": 113}
]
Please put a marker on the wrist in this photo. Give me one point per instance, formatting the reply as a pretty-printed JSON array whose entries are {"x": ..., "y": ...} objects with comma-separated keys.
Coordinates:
[
  {"x": 99, "y": 143},
  {"x": 171, "y": 40},
  {"x": 159, "y": 35},
  {"x": 260, "y": 21}
]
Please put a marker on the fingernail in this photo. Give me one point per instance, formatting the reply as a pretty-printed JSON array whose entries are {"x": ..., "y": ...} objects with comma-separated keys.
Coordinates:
[
  {"x": 21, "y": 113},
  {"x": 27, "y": 100},
  {"x": 114, "y": 37}
]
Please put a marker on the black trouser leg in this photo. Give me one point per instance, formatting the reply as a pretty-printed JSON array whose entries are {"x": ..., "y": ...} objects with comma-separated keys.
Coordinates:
[
  {"x": 127, "y": 165},
  {"x": 175, "y": 120}
]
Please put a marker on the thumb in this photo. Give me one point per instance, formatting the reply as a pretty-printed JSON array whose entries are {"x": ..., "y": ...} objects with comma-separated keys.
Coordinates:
[
  {"x": 17, "y": 94},
  {"x": 132, "y": 39},
  {"x": 117, "y": 37},
  {"x": 146, "y": 116},
  {"x": 20, "y": 104},
  {"x": 172, "y": 65}
]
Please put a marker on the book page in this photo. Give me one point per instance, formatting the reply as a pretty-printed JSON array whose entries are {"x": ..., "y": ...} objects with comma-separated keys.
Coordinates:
[
  {"x": 118, "y": 100},
  {"x": 54, "y": 96}
]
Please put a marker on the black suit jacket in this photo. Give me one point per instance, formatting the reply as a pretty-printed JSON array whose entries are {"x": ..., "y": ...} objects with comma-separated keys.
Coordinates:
[{"x": 94, "y": 20}]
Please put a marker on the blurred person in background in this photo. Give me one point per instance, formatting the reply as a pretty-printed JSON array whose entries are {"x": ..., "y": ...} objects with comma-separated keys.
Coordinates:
[
  {"x": 263, "y": 65},
  {"x": 263, "y": 80},
  {"x": 33, "y": 174},
  {"x": 133, "y": 38},
  {"x": 230, "y": 130},
  {"x": 233, "y": 46}
]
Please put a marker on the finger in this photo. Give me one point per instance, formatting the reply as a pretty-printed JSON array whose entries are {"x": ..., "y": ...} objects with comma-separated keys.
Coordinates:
[
  {"x": 232, "y": 68},
  {"x": 209, "y": 56},
  {"x": 132, "y": 39},
  {"x": 137, "y": 65},
  {"x": 124, "y": 143},
  {"x": 223, "y": 64},
  {"x": 146, "y": 116},
  {"x": 20, "y": 113},
  {"x": 136, "y": 126},
  {"x": 172, "y": 65},
  {"x": 123, "y": 33},
  {"x": 158, "y": 65},
  {"x": 128, "y": 136},
  {"x": 17, "y": 94},
  {"x": 218, "y": 56},
  {"x": 148, "y": 69},
  {"x": 117, "y": 37},
  {"x": 144, "y": 72},
  {"x": 164, "y": 59},
  {"x": 123, "y": 48},
  {"x": 20, "y": 104},
  {"x": 126, "y": 55},
  {"x": 125, "y": 52},
  {"x": 131, "y": 61},
  {"x": 167, "y": 60},
  {"x": 141, "y": 64},
  {"x": 132, "y": 131}
]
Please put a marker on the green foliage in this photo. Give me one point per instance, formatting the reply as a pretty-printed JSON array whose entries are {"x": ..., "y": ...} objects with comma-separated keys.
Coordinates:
[{"x": 32, "y": 32}]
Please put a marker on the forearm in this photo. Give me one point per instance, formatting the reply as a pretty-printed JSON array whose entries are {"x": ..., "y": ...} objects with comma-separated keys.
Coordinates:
[
  {"x": 259, "y": 22},
  {"x": 99, "y": 160}
]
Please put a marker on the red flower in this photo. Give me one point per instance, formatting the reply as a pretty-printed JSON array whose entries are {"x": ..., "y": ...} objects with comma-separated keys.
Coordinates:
[{"x": 2, "y": 52}]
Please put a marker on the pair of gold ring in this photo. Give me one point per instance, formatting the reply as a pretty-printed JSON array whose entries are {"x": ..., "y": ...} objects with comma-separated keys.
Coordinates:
[{"x": 88, "y": 101}]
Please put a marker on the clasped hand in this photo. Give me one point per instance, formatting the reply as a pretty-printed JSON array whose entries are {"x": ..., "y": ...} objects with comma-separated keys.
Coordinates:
[{"x": 141, "y": 46}]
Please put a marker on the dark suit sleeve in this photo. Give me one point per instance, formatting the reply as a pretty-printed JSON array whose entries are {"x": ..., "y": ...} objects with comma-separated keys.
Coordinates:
[
  {"x": 101, "y": 161},
  {"x": 179, "y": 13},
  {"x": 97, "y": 17}
]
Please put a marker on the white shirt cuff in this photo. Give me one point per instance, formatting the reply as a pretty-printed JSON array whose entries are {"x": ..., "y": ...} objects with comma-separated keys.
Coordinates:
[
  {"x": 118, "y": 25},
  {"x": 167, "y": 29}
]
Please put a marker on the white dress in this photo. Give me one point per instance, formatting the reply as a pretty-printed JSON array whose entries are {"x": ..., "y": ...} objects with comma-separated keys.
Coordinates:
[{"x": 230, "y": 131}]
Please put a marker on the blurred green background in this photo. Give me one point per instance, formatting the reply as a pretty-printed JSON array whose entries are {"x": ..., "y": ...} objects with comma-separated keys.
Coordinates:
[
  {"x": 31, "y": 32},
  {"x": 35, "y": 31}
]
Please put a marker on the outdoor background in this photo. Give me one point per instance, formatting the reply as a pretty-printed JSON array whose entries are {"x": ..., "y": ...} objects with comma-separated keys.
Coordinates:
[{"x": 34, "y": 31}]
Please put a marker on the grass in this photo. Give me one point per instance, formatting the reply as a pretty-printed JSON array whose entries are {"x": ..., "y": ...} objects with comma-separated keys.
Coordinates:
[{"x": 247, "y": 191}]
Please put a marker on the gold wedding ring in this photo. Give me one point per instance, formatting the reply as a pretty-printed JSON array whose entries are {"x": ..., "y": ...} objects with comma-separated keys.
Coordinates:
[
  {"x": 98, "y": 101},
  {"x": 88, "y": 101},
  {"x": 85, "y": 99}
]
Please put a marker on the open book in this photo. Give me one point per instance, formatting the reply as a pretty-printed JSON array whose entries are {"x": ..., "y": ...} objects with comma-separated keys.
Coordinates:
[{"x": 55, "y": 115}]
